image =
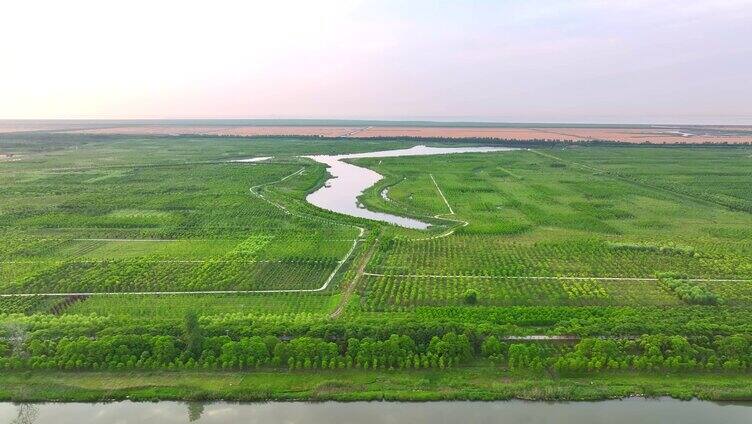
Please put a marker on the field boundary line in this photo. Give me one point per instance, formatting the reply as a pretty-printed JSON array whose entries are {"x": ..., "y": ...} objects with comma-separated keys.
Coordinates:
[
  {"x": 451, "y": 211},
  {"x": 161, "y": 261},
  {"x": 449, "y": 231},
  {"x": 166, "y": 240},
  {"x": 133, "y": 240},
  {"x": 369, "y": 274}
]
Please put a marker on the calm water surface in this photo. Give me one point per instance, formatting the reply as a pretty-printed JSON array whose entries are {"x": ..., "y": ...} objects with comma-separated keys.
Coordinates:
[
  {"x": 629, "y": 411},
  {"x": 258, "y": 159},
  {"x": 340, "y": 193}
]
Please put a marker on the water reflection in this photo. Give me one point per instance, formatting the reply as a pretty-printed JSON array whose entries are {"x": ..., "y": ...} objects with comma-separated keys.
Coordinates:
[
  {"x": 195, "y": 410},
  {"x": 340, "y": 193},
  {"x": 27, "y": 413},
  {"x": 628, "y": 411}
]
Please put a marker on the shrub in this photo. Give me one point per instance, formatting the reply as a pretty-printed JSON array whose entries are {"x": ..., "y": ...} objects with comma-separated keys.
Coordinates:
[{"x": 471, "y": 297}]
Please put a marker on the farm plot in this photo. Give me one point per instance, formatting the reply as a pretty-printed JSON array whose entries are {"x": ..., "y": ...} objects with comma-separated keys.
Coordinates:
[
  {"x": 390, "y": 293},
  {"x": 137, "y": 218},
  {"x": 175, "y": 202},
  {"x": 731, "y": 293},
  {"x": 719, "y": 176},
  {"x": 176, "y": 306},
  {"x": 531, "y": 214},
  {"x": 465, "y": 255},
  {"x": 154, "y": 276},
  {"x": 255, "y": 263},
  {"x": 27, "y": 305},
  {"x": 163, "y": 228}
]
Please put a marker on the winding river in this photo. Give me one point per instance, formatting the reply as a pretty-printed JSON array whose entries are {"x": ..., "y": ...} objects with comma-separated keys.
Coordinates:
[
  {"x": 628, "y": 411},
  {"x": 340, "y": 193}
]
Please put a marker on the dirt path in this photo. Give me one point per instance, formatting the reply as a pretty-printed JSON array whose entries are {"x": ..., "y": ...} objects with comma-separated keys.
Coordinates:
[
  {"x": 446, "y": 202},
  {"x": 348, "y": 291},
  {"x": 358, "y": 275}
]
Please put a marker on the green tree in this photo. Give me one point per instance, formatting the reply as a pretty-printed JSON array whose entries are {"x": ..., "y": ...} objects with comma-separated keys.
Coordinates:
[
  {"x": 193, "y": 336},
  {"x": 471, "y": 297},
  {"x": 491, "y": 347}
]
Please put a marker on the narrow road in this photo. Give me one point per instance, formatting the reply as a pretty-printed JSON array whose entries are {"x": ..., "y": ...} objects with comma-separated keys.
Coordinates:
[
  {"x": 360, "y": 273},
  {"x": 451, "y": 211},
  {"x": 348, "y": 291}
]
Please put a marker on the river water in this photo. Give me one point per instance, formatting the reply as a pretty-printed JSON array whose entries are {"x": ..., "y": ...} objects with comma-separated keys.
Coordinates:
[
  {"x": 340, "y": 193},
  {"x": 628, "y": 411},
  {"x": 258, "y": 159}
]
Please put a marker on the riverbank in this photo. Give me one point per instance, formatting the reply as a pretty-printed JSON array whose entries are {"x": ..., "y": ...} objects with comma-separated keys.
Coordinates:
[{"x": 465, "y": 383}]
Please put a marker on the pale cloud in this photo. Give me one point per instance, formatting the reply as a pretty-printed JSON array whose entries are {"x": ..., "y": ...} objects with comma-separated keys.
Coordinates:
[{"x": 584, "y": 61}]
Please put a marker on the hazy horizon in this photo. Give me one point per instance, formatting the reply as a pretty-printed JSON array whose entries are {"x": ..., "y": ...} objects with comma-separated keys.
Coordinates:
[
  {"x": 589, "y": 62},
  {"x": 437, "y": 122}
]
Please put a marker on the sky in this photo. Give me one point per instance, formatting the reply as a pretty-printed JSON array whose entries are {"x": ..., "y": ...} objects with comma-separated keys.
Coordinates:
[{"x": 589, "y": 61}]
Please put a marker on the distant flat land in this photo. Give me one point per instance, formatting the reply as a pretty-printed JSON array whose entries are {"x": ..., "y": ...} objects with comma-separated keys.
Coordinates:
[{"x": 654, "y": 134}]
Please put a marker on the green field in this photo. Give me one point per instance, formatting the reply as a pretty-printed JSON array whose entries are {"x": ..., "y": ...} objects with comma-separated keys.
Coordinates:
[{"x": 131, "y": 255}]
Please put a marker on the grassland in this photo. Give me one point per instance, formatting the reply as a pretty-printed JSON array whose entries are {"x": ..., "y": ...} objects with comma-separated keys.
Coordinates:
[
  {"x": 469, "y": 383},
  {"x": 112, "y": 243},
  {"x": 534, "y": 216}
]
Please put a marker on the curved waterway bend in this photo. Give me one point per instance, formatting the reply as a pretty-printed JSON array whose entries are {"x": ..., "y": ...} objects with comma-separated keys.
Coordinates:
[{"x": 340, "y": 193}]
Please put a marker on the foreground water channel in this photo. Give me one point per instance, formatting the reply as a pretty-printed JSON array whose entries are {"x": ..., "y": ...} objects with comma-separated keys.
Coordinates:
[{"x": 627, "y": 411}]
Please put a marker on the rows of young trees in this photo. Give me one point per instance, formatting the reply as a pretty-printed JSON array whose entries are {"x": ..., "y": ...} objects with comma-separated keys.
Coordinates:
[
  {"x": 689, "y": 320},
  {"x": 405, "y": 293},
  {"x": 692, "y": 292},
  {"x": 489, "y": 255},
  {"x": 149, "y": 274},
  {"x": 192, "y": 350},
  {"x": 421, "y": 325},
  {"x": 646, "y": 353}
]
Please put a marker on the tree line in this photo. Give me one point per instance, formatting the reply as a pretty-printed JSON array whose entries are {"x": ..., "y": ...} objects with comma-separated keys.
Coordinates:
[
  {"x": 146, "y": 352},
  {"x": 192, "y": 348}
]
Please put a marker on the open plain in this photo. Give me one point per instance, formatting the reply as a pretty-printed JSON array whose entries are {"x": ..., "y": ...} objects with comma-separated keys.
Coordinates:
[
  {"x": 635, "y": 134},
  {"x": 132, "y": 259}
]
